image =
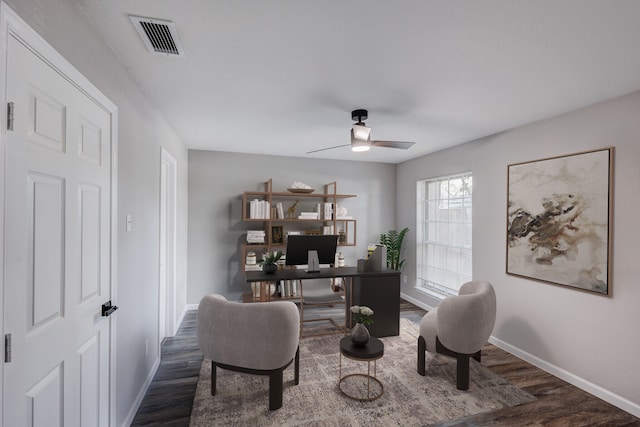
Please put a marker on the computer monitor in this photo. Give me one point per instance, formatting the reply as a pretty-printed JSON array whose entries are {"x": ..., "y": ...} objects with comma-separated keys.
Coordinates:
[{"x": 299, "y": 246}]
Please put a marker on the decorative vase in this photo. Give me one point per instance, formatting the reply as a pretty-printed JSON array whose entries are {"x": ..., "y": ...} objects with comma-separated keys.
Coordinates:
[
  {"x": 270, "y": 268},
  {"x": 360, "y": 335}
]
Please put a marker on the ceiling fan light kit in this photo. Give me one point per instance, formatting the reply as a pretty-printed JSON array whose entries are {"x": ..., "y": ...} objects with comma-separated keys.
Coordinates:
[
  {"x": 361, "y": 136},
  {"x": 359, "y": 145},
  {"x": 361, "y": 132}
]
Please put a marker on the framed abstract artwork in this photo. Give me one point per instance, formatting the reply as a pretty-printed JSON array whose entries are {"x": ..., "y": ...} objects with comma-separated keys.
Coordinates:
[{"x": 559, "y": 214}]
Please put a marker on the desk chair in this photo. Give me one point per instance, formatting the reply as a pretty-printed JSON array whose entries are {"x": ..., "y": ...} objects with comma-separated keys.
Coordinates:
[{"x": 319, "y": 292}]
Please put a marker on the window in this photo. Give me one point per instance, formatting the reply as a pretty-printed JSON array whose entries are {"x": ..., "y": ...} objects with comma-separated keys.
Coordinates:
[{"x": 444, "y": 225}]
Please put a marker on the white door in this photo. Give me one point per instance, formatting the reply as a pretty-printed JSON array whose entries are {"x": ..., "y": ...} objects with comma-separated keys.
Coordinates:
[
  {"x": 168, "y": 257},
  {"x": 57, "y": 249}
]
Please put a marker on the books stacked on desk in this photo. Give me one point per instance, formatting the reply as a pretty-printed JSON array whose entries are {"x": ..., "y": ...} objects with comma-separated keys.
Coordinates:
[{"x": 255, "y": 237}]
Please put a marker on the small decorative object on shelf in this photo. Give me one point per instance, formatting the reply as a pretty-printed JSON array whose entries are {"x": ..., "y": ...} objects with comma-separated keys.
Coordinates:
[
  {"x": 251, "y": 258},
  {"x": 360, "y": 333},
  {"x": 291, "y": 210},
  {"x": 269, "y": 262},
  {"x": 299, "y": 187}
]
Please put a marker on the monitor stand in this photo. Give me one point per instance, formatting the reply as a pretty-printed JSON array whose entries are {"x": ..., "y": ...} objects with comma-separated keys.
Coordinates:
[{"x": 313, "y": 265}]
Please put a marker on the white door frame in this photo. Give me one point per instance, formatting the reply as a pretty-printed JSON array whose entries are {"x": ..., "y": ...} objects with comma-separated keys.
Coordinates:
[
  {"x": 167, "y": 312},
  {"x": 12, "y": 25}
]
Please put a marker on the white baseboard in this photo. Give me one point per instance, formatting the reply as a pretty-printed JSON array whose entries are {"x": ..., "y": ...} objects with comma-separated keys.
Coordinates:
[
  {"x": 415, "y": 302},
  {"x": 581, "y": 383},
  {"x": 180, "y": 319},
  {"x": 140, "y": 397}
]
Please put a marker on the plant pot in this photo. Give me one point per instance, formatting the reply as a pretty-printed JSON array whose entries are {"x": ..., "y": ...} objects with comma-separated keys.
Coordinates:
[
  {"x": 270, "y": 268},
  {"x": 359, "y": 335}
]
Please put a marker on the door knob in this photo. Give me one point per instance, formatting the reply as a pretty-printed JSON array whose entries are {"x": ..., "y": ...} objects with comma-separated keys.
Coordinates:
[{"x": 108, "y": 309}]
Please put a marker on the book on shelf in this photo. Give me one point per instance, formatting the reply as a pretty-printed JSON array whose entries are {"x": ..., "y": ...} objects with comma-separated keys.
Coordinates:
[
  {"x": 279, "y": 210},
  {"x": 328, "y": 211},
  {"x": 255, "y": 236},
  {"x": 344, "y": 217},
  {"x": 308, "y": 215},
  {"x": 259, "y": 209},
  {"x": 328, "y": 229}
]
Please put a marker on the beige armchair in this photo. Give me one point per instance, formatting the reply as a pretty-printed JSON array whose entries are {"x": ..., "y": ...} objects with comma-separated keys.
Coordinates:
[
  {"x": 459, "y": 327},
  {"x": 257, "y": 338}
]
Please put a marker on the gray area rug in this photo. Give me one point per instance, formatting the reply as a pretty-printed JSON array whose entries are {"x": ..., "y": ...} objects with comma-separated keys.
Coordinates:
[{"x": 408, "y": 399}]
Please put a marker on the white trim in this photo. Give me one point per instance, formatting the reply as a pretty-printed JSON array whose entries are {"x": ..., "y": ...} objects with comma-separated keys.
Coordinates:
[
  {"x": 169, "y": 294},
  {"x": 4, "y": 41},
  {"x": 415, "y": 302},
  {"x": 140, "y": 397},
  {"x": 581, "y": 383},
  {"x": 11, "y": 25},
  {"x": 114, "y": 263},
  {"x": 181, "y": 317},
  {"x": 189, "y": 307}
]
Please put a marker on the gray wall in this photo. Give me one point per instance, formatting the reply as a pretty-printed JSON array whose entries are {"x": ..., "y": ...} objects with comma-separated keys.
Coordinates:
[
  {"x": 141, "y": 133},
  {"x": 588, "y": 339},
  {"x": 217, "y": 181}
]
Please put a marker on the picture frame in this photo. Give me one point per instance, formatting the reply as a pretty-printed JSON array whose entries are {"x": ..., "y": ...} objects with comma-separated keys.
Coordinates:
[
  {"x": 559, "y": 220},
  {"x": 277, "y": 235}
]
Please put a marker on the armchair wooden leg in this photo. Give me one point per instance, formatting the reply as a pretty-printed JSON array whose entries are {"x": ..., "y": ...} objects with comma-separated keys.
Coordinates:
[
  {"x": 478, "y": 356},
  {"x": 422, "y": 348},
  {"x": 296, "y": 367},
  {"x": 462, "y": 373},
  {"x": 275, "y": 390},
  {"x": 213, "y": 378}
]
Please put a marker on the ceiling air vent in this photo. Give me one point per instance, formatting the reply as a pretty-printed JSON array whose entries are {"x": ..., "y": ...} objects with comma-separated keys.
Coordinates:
[{"x": 160, "y": 37}]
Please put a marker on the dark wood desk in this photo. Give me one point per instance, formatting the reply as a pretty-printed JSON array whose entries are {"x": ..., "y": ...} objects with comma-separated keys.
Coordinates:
[{"x": 378, "y": 290}]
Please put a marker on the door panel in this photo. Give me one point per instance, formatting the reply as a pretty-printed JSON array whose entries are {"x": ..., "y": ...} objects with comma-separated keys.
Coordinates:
[
  {"x": 89, "y": 230},
  {"x": 89, "y": 359},
  {"x": 45, "y": 222},
  {"x": 58, "y": 256},
  {"x": 45, "y": 399},
  {"x": 47, "y": 119}
]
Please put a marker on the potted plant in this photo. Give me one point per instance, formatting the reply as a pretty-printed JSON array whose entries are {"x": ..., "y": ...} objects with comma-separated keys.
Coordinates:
[
  {"x": 393, "y": 241},
  {"x": 269, "y": 262}
]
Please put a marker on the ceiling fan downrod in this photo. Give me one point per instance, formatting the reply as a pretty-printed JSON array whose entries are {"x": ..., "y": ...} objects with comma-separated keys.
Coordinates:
[{"x": 359, "y": 115}]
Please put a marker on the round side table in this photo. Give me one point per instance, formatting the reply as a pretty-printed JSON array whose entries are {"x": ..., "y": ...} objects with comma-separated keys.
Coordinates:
[{"x": 352, "y": 385}]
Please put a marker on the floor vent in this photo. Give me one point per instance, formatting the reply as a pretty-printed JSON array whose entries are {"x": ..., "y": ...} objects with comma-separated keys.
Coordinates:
[{"x": 160, "y": 37}]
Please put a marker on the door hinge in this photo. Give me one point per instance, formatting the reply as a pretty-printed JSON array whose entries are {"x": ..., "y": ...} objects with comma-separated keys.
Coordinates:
[
  {"x": 10, "y": 116},
  {"x": 7, "y": 348}
]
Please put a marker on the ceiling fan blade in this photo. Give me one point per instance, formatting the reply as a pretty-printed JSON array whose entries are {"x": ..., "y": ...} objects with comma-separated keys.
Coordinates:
[
  {"x": 328, "y": 148},
  {"x": 393, "y": 144}
]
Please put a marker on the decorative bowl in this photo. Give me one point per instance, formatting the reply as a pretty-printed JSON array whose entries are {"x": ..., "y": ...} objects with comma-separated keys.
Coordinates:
[{"x": 301, "y": 190}]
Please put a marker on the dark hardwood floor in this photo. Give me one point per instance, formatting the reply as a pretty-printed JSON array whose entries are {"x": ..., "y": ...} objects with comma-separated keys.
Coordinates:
[{"x": 169, "y": 398}]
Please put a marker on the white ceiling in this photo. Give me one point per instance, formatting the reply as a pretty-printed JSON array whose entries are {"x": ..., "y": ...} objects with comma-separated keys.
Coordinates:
[{"x": 282, "y": 76}]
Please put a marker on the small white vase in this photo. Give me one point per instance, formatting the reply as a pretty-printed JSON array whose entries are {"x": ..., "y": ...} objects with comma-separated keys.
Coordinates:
[{"x": 360, "y": 335}]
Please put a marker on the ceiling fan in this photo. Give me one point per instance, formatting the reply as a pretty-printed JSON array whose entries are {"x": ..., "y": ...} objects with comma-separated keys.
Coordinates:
[{"x": 361, "y": 136}]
